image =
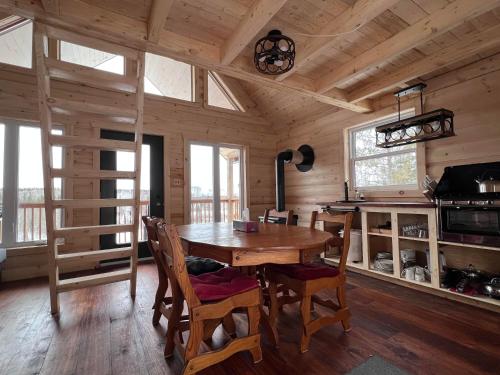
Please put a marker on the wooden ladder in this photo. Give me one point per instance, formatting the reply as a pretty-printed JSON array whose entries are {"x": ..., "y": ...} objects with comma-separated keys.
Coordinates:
[{"x": 48, "y": 69}]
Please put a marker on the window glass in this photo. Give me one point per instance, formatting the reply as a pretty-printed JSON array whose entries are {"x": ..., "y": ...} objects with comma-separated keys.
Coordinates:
[
  {"x": 16, "y": 42},
  {"x": 92, "y": 58},
  {"x": 202, "y": 184},
  {"x": 31, "y": 224},
  {"x": 375, "y": 167},
  {"x": 125, "y": 190},
  {"x": 167, "y": 77},
  {"x": 217, "y": 97}
]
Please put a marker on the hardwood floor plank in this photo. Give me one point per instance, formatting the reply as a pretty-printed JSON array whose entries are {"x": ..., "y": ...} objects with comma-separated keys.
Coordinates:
[{"x": 102, "y": 331}]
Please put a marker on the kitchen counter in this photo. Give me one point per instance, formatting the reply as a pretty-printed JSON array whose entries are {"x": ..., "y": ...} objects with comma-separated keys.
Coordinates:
[{"x": 379, "y": 204}]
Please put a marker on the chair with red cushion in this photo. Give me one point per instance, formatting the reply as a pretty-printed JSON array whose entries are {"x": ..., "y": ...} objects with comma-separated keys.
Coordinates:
[
  {"x": 210, "y": 297},
  {"x": 162, "y": 304},
  {"x": 305, "y": 280}
]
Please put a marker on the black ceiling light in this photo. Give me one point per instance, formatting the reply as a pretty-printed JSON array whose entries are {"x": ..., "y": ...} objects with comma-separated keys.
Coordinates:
[
  {"x": 426, "y": 126},
  {"x": 274, "y": 54}
]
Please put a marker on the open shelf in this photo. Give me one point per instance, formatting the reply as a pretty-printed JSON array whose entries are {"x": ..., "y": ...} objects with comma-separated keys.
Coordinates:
[
  {"x": 414, "y": 239},
  {"x": 379, "y": 234},
  {"x": 469, "y": 245},
  {"x": 483, "y": 299}
]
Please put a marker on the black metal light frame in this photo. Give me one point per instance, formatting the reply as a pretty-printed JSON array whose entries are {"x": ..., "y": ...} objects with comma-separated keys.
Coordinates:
[
  {"x": 427, "y": 126},
  {"x": 274, "y": 54}
]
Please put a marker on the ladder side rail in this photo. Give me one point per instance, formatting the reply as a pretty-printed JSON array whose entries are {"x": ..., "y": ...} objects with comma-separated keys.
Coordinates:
[{"x": 43, "y": 83}]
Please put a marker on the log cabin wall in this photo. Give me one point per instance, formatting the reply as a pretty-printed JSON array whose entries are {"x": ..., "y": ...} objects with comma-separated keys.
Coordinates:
[
  {"x": 177, "y": 121},
  {"x": 472, "y": 92}
]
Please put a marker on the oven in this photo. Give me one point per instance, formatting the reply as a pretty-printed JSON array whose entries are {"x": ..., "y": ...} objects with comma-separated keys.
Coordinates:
[{"x": 474, "y": 222}]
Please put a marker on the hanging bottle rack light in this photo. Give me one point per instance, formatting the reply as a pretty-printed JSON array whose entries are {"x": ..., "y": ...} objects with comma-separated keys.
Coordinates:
[{"x": 424, "y": 127}]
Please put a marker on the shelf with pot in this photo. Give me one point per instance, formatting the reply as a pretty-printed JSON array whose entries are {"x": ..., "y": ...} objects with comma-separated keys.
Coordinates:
[{"x": 381, "y": 231}]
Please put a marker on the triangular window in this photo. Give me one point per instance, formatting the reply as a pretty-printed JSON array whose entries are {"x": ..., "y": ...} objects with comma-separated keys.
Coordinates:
[
  {"x": 16, "y": 41},
  {"x": 219, "y": 95}
]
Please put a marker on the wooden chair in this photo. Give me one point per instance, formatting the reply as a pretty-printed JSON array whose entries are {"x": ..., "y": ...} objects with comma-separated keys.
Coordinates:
[
  {"x": 162, "y": 304},
  {"x": 288, "y": 215},
  {"x": 308, "y": 279},
  {"x": 210, "y": 298}
]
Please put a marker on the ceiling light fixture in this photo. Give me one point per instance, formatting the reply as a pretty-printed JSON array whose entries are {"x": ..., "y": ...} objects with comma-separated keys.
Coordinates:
[
  {"x": 424, "y": 127},
  {"x": 274, "y": 54}
]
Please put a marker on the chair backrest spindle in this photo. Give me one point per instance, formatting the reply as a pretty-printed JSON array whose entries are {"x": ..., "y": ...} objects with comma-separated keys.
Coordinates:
[
  {"x": 171, "y": 249},
  {"x": 271, "y": 212},
  {"x": 344, "y": 219}
]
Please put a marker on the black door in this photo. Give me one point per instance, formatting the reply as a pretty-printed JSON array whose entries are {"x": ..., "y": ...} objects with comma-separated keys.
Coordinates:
[{"x": 151, "y": 196}]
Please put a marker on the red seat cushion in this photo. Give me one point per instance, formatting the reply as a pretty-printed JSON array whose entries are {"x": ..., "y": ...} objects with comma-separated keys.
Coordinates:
[
  {"x": 309, "y": 271},
  {"x": 221, "y": 284}
]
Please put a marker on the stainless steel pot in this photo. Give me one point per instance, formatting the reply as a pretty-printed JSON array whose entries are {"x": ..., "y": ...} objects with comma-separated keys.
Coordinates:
[{"x": 488, "y": 186}]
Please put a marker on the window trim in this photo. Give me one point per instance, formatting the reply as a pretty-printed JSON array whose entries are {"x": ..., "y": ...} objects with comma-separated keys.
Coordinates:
[
  {"x": 225, "y": 91},
  {"x": 11, "y": 170},
  {"x": 389, "y": 190},
  {"x": 216, "y": 181}
]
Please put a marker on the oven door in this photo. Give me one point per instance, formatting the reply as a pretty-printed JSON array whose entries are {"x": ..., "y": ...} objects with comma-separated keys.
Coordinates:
[{"x": 469, "y": 224}]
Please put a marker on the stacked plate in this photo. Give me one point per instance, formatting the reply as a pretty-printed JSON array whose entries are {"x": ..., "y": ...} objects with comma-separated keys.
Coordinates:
[{"x": 383, "y": 262}]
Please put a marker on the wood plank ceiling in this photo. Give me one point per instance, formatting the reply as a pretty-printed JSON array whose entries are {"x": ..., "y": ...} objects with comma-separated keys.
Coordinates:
[{"x": 376, "y": 46}]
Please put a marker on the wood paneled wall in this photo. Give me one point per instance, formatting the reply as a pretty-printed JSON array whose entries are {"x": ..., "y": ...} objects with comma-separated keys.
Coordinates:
[
  {"x": 472, "y": 92},
  {"x": 175, "y": 120}
]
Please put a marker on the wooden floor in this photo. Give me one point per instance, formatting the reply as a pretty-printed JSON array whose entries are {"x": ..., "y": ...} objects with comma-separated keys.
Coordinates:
[{"x": 101, "y": 331}]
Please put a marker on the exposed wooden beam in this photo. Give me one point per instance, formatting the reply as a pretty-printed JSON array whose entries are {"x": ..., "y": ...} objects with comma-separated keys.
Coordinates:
[
  {"x": 256, "y": 18},
  {"x": 94, "y": 22},
  {"x": 362, "y": 12},
  {"x": 463, "y": 49},
  {"x": 51, "y": 6},
  {"x": 157, "y": 18},
  {"x": 439, "y": 22}
]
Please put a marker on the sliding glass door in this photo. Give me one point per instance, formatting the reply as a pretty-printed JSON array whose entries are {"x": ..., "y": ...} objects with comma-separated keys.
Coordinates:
[{"x": 216, "y": 182}]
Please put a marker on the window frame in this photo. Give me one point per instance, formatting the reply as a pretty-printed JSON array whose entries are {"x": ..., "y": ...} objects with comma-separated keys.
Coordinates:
[
  {"x": 216, "y": 176},
  {"x": 238, "y": 108},
  {"x": 18, "y": 24},
  {"x": 387, "y": 190},
  {"x": 11, "y": 184}
]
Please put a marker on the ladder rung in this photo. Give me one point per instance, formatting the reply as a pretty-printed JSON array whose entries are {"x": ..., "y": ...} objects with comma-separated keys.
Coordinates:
[
  {"x": 92, "y": 203},
  {"x": 93, "y": 280},
  {"x": 99, "y": 109},
  {"x": 89, "y": 76},
  {"x": 68, "y": 36},
  {"x": 83, "y": 142},
  {"x": 97, "y": 174},
  {"x": 93, "y": 230},
  {"x": 93, "y": 256}
]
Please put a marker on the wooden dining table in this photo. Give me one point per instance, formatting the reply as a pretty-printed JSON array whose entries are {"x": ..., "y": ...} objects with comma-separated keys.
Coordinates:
[{"x": 273, "y": 243}]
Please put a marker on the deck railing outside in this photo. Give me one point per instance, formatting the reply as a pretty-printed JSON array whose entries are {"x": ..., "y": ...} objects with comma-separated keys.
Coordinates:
[
  {"x": 31, "y": 217},
  {"x": 202, "y": 210}
]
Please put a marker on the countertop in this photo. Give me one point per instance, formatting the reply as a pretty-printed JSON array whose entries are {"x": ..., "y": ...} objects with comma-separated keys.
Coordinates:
[{"x": 379, "y": 204}]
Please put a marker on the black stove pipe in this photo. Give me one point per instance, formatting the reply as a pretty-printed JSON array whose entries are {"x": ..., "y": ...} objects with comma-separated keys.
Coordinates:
[
  {"x": 303, "y": 159},
  {"x": 282, "y": 158}
]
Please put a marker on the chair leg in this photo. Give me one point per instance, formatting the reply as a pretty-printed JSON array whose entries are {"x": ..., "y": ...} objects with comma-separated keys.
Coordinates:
[
  {"x": 305, "y": 311},
  {"x": 193, "y": 345},
  {"x": 253, "y": 314},
  {"x": 346, "y": 323},
  {"x": 173, "y": 322},
  {"x": 229, "y": 325},
  {"x": 160, "y": 295},
  {"x": 274, "y": 307}
]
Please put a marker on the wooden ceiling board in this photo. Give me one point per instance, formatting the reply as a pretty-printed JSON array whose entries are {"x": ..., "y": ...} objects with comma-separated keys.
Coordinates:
[{"x": 137, "y": 9}]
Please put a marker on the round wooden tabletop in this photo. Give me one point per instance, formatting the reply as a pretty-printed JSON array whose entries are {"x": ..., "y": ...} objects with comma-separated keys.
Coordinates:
[{"x": 269, "y": 237}]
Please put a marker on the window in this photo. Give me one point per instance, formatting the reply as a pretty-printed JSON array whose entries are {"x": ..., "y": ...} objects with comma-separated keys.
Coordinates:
[
  {"x": 216, "y": 183},
  {"x": 16, "y": 41},
  {"x": 23, "y": 207},
  {"x": 374, "y": 168},
  {"x": 218, "y": 95},
  {"x": 92, "y": 58},
  {"x": 167, "y": 77}
]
